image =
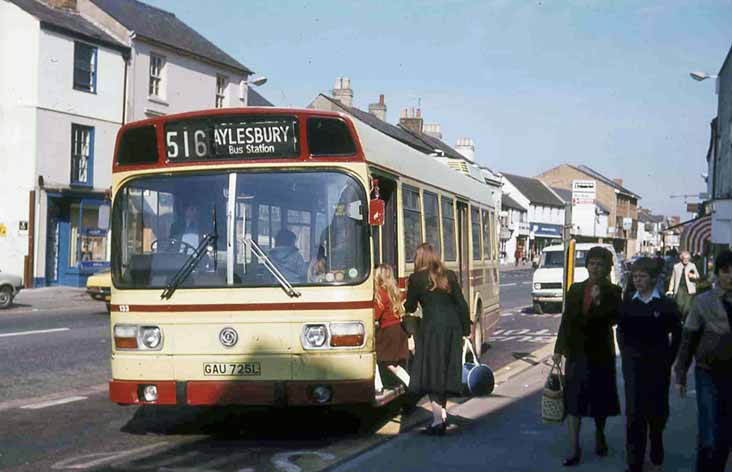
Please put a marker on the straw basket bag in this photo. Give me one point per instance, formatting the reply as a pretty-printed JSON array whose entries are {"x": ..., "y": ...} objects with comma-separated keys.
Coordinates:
[{"x": 552, "y": 400}]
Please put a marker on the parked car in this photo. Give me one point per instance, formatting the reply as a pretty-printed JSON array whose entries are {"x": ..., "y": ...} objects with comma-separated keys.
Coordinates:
[
  {"x": 99, "y": 286},
  {"x": 10, "y": 285},
  {"x": 547, "y": 280}
]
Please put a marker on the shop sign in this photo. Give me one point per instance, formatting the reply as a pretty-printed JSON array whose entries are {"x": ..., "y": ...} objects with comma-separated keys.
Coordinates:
[{"x": 545, "y": 230}]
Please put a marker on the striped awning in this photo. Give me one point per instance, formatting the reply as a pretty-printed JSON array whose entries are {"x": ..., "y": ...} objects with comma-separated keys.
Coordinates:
[{"x": 696, "y": 232}]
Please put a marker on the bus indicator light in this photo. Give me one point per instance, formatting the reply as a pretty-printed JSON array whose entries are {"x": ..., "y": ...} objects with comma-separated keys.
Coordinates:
[
  {"x": 125, "y": 336},
  {"x": 350, "y": 334}
]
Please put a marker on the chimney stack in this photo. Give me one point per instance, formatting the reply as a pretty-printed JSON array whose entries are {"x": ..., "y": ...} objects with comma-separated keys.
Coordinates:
[
  {"x": 378, "y": 109},
  {"x": 618, "y": 181},
  {"x": 433, "y": 129},
  {"x": 412, "y": 120},
  {"x": 64, "y": 4},
  {"x": 466, "y": 147},
  {"x": 342, "y": 91}
]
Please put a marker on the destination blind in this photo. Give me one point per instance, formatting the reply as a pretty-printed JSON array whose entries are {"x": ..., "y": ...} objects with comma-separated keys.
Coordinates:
[{"x": 227, "y": 137}]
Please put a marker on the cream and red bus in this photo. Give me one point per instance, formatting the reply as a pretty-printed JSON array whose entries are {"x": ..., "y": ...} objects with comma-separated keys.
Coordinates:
[{"x": 243, "y": 242}]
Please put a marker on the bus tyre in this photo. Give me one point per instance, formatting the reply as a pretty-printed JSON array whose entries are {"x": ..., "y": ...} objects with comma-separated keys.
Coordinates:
[
  {"x": 6, "y": 296},
  {"x": 538, "y": 308}
]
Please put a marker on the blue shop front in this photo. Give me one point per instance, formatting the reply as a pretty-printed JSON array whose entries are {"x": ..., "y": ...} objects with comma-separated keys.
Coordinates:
[
  {"x": 544, "y": 234},
  {"x": 76, "y": 247}
]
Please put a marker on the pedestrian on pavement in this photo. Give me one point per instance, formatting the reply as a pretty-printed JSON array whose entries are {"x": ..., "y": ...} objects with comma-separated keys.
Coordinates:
[
  {"x": 707, "y": 337},
  {"x": 517, "y": 256},
  {"x": 682, "y": 284},
  {"x": 586, "y": 341},
  {"x": 392, "y": 350},
  {"x": 437, "y": 367},
  {"x": 645, "y": 322}
]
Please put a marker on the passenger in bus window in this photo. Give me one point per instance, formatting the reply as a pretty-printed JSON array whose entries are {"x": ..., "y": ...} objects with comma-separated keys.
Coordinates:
[
  {"x": 391, "y": 339},
  {"x": 286, "y": 257},
  {"x": 437, "y": 366},
  {"x": 586, "y": 341},
  {"x": 317, "y": 267}
]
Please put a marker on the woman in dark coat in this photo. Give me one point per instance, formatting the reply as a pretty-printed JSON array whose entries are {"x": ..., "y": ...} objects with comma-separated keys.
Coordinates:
[
  {"x": 437, "y": 367},
  {"x": 646, "y": 320},
  {"x": 586, "y": 340}
]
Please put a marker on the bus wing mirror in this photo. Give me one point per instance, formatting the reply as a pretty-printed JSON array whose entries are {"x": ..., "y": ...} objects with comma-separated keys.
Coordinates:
[{"x": 376, "y": 212}]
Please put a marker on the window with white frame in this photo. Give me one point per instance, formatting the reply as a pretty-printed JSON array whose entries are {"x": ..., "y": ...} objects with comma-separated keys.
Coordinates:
[
  {"x": 82, "y": 145},
  {"x": 85, "y": 67},
  {"x": 157, "y": 64},
  {"x": 220, "y": 91}
]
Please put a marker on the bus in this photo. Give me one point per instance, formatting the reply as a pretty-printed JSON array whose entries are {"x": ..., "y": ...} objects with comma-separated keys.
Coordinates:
[{"x": 243, "y": 243}]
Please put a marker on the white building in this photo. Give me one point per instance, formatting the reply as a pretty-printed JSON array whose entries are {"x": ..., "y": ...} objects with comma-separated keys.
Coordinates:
[
  {"x": 61, "y": 104},
  {"x": 73, "y": 71},
  {"x": 545, "y": 211},
  {"x": 515, "y": 230}
]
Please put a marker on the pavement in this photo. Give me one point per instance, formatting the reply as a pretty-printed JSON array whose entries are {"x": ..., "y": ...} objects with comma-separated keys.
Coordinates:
[
  {"x": 43, "y": 299},
  {"x": 505, "y": 432}
]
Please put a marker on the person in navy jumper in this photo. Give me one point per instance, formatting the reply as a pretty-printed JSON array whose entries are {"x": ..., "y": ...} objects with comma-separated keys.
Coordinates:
[{"x": 649, "y": 335}]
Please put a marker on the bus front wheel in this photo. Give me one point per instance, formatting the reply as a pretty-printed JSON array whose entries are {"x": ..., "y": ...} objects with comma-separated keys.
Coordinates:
[{"x": 538, "y": 308}]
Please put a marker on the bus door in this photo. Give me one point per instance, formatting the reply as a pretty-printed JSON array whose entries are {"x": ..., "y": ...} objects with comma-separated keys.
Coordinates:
[
  {"x": 463, "y": 253},
  {"x": 385, "y": 236}
]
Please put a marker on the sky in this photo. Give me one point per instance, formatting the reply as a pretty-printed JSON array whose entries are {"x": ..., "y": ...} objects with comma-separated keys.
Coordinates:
[{"x": 534, "y": 83}]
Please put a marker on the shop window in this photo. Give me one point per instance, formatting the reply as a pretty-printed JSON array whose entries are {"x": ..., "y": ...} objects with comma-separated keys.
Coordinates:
[
  {"x": 88, "y": 243},
  {"x": 412, "y": 222},
  {"x": 82, "y": 154}
]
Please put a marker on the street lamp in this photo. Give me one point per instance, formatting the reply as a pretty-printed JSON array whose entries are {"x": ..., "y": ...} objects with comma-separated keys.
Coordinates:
[
  {"x": 261, "y": 80},
  {"x": 699, "y": 76}
]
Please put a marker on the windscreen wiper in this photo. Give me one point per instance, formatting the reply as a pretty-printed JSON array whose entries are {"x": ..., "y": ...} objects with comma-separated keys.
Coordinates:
[
  {"x": 266, "y": 262},
  {"x": 192, "y": 261}
]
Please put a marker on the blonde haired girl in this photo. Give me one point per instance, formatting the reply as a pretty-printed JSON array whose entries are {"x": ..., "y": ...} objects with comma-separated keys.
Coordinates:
[{"x": 391, "y": 340}]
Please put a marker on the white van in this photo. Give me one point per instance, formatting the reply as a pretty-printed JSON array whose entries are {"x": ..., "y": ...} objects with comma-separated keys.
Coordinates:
[{"x": 547, "y": 280}]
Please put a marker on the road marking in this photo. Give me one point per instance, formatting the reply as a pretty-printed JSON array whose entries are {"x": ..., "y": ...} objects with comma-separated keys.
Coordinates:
[
  {"x": 86, "y": 391},
  {"x": 101, "y": 458},
  {"x": 508, "y": 285},
  {"x": 40, "y": 331},
  {"x": 60, "y": 401}
]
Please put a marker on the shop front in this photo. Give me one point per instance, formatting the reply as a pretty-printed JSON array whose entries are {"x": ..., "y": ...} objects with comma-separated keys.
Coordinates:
[
  {"x": 543, "y": 235},
  {"x": 76, "y": 246}
]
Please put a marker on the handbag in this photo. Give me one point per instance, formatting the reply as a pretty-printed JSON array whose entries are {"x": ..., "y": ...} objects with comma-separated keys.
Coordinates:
[
  {"x": 410, "y": 324},
  {"x": 478, "y": 380},
  {"x": 552, "y": 399}
]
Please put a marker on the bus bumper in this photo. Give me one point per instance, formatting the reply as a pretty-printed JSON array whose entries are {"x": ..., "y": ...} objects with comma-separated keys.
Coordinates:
[{"x": 274, "y": 393}]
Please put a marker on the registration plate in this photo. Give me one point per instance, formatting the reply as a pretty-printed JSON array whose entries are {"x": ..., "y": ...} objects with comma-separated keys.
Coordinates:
[{"x": 237, "y": 369}]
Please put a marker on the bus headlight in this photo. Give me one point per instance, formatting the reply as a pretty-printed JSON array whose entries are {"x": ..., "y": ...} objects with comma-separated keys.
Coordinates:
[
  {"x": 537, "y": 286},
  {"x": 151, "y": 336},
  {"x": 349, "y": 334},
  {"x": 314, "y": 336}
]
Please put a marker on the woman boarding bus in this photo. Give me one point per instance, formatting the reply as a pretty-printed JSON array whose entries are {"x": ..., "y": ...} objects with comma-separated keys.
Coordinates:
[{"x": 220, "y": 318}]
